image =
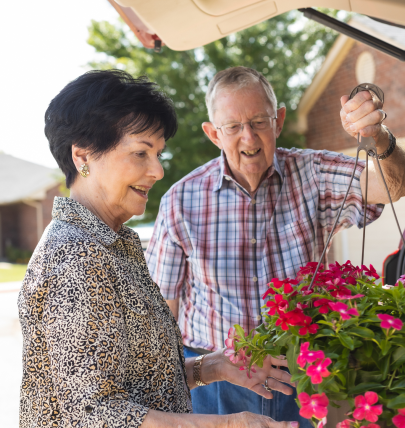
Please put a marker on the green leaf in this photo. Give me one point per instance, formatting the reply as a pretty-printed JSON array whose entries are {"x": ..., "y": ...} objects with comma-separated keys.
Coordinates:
[
  {"x": 297, "y": 376},
  {"x": 337, "y": 396},
  {"x": 385, "y": 347},
  {"x": 397, "y": 402},
  {"x": 292, "y": 355},
  {"x": 302, "y": 384},
  {"x": 341, "y": 378},
  {"x": 261, "y": 329},
  {"x": 346, "y": 341},
  {"x": 385, "y": 366},
  {"x": 363, "y": 387},
  {"x": 362, "y": 331},
  {"x": 330, "y": 385},
  {"x": 368, "y": 348},
  {"x": 398, "y": 357},
  {"x": 325, "y": 332},
  {"x": 398, "y": 385},
  {"x": 239, "y": 331},
  {"x": 370, "y": 319}
]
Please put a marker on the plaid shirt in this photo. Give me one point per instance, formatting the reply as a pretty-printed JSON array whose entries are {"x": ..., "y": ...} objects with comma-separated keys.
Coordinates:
[{"x": 216, "y": 247}]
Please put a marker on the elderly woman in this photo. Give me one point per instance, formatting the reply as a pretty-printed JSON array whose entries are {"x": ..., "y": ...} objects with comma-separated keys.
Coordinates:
[{"x": 101, "y": 347}]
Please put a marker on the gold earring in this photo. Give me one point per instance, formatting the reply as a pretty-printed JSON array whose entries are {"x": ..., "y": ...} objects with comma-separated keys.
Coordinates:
[{"x": 84, "y": 170}]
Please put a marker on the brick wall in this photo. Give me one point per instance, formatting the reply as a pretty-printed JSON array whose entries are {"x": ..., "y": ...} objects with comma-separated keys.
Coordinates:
[
  {"x": 324, "y": 127},
  {"x": 19, "y": 222}
]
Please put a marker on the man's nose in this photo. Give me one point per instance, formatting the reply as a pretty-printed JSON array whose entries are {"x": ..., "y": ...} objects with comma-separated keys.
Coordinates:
[{"x": 248, "y": 134}]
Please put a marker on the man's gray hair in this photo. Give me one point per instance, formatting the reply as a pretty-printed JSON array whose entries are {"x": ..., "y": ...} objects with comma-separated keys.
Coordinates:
[{"x": 237, "y": 78}]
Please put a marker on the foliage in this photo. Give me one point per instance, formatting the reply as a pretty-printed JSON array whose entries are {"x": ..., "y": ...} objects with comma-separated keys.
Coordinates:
[
  {"x": 343, "y": 338},
  {"x": 12, "y": 272},
  {"x": 286, "y": 49},
  {"x": 16, "y": 255}
]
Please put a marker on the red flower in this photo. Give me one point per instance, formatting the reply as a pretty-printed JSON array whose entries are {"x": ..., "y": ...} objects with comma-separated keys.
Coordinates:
[
  {"x": 357, "y": 296},
  {"x": 308, "y": 328},
  {"x": 370, "y": 272},
  {"x": 399, "y": 420},
  {"x": 283, "y": 321},
  {"x": 307, "y": 356},
  {"x": 370, "y": 426},
  {"x": 277, "y": 305},
  {"x": 307, "y": 270},
  {"x": 296, "y": 317},
  {"x": 323, "y": 305},
  {"x": 341, "y": 293},
  {"x": 314, "y": 405},
  {"x": 319, "y": 370},
  {"x": 269, "y": 291},
  {"x": 365, "y": 409},
  {"x": 387, "y": 321},
  {"x": 342, "y": 309},
  {"x": 345, "y": 423}
]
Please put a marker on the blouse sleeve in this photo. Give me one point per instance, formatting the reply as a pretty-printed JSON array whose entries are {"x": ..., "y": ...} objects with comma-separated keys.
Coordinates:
[{"x": 87, "y": 346}]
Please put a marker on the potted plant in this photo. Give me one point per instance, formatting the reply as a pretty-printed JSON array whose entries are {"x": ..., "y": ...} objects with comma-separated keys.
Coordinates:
[{"x": 344, "y": 341}]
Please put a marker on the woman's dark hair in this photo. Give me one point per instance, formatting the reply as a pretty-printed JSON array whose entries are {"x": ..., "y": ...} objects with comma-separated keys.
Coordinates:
[{"x": 95, "y": 110}]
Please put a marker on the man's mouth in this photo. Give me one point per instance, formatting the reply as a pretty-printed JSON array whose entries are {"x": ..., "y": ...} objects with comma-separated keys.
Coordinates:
[
  {"x": 251, "y": 152},
  {"x": 141, "y": 190}
]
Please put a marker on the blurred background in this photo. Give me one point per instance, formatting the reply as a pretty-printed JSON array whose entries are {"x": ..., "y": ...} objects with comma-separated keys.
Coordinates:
[{"x": 46, "y": 44}]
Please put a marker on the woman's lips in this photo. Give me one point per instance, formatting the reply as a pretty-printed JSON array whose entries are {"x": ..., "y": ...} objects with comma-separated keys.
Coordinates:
[{"x": 138, "y": 192}]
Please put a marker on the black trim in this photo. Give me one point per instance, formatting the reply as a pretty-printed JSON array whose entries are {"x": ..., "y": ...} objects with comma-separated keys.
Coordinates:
[{"x": 354, "y": 33}]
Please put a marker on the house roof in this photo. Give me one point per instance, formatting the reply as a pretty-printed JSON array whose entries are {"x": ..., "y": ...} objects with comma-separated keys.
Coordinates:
[
  {"x": 22, "y": 180},
  {"x": 335, "y": 57}
]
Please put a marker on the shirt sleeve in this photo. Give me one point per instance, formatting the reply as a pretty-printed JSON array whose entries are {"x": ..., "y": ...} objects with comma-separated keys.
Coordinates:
[
  {"x": 166, "y": 258},
  {"x": 334, "y": 172},
  {"x": 86, "y": 341}
]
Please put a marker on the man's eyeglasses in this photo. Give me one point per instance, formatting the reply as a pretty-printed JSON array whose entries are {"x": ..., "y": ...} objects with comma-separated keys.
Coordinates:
[{"x": 257, "y": 124}]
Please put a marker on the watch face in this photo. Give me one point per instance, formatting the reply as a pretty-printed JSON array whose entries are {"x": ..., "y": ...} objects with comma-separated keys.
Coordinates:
[{"x": 374, "y": 90}]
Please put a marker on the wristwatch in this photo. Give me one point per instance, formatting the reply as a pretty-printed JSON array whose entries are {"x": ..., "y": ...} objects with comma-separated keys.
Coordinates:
[
  {"x": 197, "y": 370},
  {"x": 390, "y": 149}
]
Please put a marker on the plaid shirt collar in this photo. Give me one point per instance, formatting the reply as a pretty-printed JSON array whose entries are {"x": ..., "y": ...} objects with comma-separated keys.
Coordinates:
[{"x": 225, "y": 171}]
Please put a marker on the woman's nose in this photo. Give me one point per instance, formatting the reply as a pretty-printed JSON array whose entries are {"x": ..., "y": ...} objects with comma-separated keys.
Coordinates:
[{"x": 156, "y": 170}]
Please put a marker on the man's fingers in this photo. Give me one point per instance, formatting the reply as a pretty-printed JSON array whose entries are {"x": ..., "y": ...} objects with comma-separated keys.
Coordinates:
[
  {"x": 274, "y": 424},
  {"x": 370, "y": 120},
  {"x": 344, "y": 100},
  {"x": 363, "y": 111},
  {"x": 356, "y": 101}
]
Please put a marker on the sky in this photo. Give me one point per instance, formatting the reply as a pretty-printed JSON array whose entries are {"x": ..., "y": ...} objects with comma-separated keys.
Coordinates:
[{"x": 43, "y": 47}]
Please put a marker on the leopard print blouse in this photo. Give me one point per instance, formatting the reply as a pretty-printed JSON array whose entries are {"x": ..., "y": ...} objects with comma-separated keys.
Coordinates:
[{"x": 101, "y": 346}]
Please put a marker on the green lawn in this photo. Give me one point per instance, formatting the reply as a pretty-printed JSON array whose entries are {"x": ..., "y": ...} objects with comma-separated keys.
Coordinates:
[{"x": 12, "y": 272}]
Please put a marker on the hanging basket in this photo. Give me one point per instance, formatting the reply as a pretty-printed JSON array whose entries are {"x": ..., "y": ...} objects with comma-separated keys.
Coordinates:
[{"x": 341, "y": 330}]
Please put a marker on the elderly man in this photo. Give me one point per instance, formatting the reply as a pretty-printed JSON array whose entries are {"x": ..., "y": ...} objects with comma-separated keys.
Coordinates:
[{"x": 255, "y": 213}]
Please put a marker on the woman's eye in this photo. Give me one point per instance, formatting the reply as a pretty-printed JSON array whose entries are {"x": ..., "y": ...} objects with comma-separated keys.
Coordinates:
[
  {"x": 160, "y": 155},
  {"x": 141, "y": 154}
]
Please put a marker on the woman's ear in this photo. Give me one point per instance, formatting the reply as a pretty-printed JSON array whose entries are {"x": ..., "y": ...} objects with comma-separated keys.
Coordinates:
[
  {"x": 212, "y": 133},
  {"x": 79, "y": 156}
]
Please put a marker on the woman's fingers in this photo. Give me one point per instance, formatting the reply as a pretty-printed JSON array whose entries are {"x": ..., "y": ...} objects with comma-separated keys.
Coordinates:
[{"x": 251, "y": 420}]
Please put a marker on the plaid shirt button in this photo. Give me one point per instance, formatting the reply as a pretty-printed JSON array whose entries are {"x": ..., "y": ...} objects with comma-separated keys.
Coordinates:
[
  {"x": 253, "y": 241},
  {"x": 227, "y": 178},
  {"x": 253, "y": 201},
  {"x": 259, "y": 317},
  {"x": 254, "y": 279}
]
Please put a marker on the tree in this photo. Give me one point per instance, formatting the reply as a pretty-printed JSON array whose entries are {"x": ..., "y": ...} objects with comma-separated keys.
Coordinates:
[{"x": 286, "y": 49}]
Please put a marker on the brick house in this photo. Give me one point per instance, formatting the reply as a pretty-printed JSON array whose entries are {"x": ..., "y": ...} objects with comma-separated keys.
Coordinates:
[
  {"x": 347, "y": 64},
  {"x": 27, "y": 191}
]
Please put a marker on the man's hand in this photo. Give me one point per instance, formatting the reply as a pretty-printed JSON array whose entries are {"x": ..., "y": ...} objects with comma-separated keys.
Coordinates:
[
  {"x": 226, "y": 370},
  {"x": 251, "y": 420},
  {"x": 362, "y": 114}
]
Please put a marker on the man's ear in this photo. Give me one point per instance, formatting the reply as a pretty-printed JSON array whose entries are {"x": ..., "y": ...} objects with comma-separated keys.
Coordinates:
[
  {"x": 281, "y": 113},
  {"x": 212, "y": 133}
]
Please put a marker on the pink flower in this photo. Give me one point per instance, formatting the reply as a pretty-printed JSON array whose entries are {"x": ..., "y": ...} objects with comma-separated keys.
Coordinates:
[
  {"x": 357, "y": 296},
  {"x": 231, "y": 336},
  {"x": 370, "y": 272},
  {"x": 308, "y": 328},
  {"x": 307, "y": 356},
  {"x": 399, "y": 420},
  {"x": 387, "y": 321},
  {"x": 342, "y": 309},
  {"x": 322, "y": 423},
  {"x": 323, "y": 305},
  {"x": 365, "y": 409},
  {"x": 402, "y": 279},
  {"x": 314, "y": 405},
  {"x": 318, "y": 370},
  {"x": 345, "y": 423},
  {"x": 277, "y": 305},
  {"x": 370, "y": 426},
  {"x": 252, "y": 369}
]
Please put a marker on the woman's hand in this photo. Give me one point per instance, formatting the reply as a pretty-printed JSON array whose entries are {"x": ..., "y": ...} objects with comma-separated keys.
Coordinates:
[
  {"x": 251, "y": 420},
  {"x": 218, "y": 367}
]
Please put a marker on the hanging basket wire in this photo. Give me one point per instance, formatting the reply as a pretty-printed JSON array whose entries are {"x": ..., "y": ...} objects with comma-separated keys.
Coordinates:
[{"x": 368, "y": 145}]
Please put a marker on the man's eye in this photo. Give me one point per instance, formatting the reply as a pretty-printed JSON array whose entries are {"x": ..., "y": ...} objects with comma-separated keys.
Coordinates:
[{"x": 232, "y": 126}]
